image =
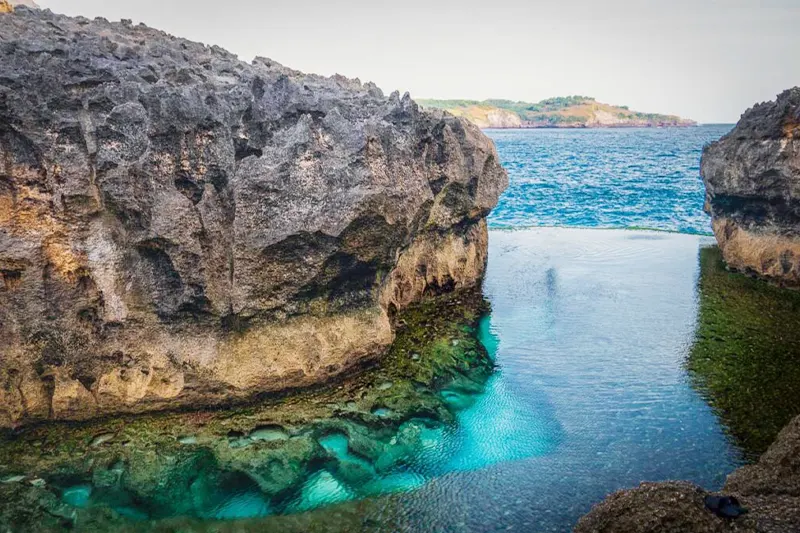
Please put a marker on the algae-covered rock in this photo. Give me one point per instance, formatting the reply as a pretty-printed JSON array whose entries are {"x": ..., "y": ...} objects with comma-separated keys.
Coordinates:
[
  {"x": 261, "y": 461},
  {"x": 179, "y": 228},
  {"x": 745, "y": 360}
]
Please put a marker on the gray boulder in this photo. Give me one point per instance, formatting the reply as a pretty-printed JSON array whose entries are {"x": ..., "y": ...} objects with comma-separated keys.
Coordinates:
[
  {"x": 752, "y": 178},
  {"x": 181, "y": 228},
  {"x": 769, "y": 490}
]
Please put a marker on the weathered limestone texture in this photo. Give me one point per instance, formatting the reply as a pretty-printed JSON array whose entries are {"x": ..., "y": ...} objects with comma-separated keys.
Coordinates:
[
  {"x": 181, "y": 228},
  {"x": 752, "y": 178}
]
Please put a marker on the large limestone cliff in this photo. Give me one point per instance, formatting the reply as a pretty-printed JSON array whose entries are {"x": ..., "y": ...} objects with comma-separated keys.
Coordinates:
[
  {"x": 180, "y": 228},
  {"x": 752, "y": 178}
]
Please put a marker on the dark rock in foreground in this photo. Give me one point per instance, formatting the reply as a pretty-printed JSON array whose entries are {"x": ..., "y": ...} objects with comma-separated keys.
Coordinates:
[
  {"x": 180, "y": 228},
  {"x": 770, "y": 490},
  {"x": 752, "y": 178}
]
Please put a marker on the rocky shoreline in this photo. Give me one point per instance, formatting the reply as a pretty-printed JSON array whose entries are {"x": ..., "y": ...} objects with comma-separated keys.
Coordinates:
[
  {"x": 571, "y": 112},
  {"x": 336, "y": 444},
  {"x": 751, "y": 178},
  {"x": 179, "y": 228},
  {"x": 769, "y": 490}
]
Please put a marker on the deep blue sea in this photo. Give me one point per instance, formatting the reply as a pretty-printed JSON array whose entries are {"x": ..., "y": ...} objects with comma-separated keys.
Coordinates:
[{"x": 606, "y": 178}]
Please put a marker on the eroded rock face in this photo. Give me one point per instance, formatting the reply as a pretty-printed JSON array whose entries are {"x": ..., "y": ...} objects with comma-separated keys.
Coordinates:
[
  {"x": 770, "y": 490},
  {"x": 752, "y": 178},
  {"x": 180, "y": 228}
]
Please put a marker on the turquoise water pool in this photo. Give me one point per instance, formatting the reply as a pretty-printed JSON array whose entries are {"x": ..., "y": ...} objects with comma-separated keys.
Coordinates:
[{"x": 590, "y": 330}]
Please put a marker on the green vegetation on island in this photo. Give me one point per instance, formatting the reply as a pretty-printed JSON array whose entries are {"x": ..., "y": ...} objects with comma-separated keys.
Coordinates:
[{"x": 559, "y": 112}]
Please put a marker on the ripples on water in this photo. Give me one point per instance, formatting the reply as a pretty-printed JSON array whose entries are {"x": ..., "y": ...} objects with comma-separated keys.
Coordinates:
[
  {"x": 590, "y": 329},
  {"x": 610, "y": 178}
]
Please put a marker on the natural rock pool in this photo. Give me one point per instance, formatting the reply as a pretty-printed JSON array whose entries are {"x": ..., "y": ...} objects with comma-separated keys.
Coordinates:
[{"x": 589, "y": 331}]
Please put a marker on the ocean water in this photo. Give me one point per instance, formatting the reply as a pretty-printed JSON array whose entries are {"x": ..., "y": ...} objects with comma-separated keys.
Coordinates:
[{"x": 607, "y": 178}]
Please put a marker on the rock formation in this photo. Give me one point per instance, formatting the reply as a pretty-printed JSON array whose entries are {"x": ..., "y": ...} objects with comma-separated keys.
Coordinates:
[
  {"x": 487, "y": 116},
  {"x": 181, "y": 228},
  {"x": 770, "y": 490},
  {"x": 752, "y": 178}
]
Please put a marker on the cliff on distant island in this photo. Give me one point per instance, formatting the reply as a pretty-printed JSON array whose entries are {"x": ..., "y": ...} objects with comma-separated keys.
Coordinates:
[
  {"x": 181, "y": 228},
  {"x": 562, "y": 112},
  {"x": 752, "y": 178}
]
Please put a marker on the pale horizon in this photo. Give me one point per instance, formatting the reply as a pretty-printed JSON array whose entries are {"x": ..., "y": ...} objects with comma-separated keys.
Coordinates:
[{"x": 696, "y": 59}]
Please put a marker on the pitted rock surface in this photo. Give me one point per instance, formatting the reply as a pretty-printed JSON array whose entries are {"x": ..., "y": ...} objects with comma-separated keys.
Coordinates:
[
  {"x": 752, "y": 178},
  {"x": 179, "y": 227}
]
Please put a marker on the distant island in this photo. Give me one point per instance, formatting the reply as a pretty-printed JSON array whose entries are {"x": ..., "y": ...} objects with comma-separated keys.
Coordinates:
[{"x": 559, "y": 112}]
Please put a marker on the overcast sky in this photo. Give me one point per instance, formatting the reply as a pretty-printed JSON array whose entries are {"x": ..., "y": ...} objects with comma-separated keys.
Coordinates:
[{"x": 703, "y": 59}]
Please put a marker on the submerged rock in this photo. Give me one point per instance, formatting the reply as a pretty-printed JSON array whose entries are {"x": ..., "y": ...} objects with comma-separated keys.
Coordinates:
[
  {"x": 759, "y": 498},
  {"x": 179, "y": 228},
  {"x": 101, "y": 439},
  {"x": 77, "y": 496},
  {"x": 322, "y": 489},
  {"x": 752, "y": 178},
  {"x": 745, "y": 360},
  {"x": 269, "y": 434}
]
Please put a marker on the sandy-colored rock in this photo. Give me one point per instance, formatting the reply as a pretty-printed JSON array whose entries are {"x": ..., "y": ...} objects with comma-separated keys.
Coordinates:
[
  {"x": 673, "y": 507},
  {"x": 769, "y": 490},
  {"x": 752, "y": 178},
  {"x": 180, "y": 228}
]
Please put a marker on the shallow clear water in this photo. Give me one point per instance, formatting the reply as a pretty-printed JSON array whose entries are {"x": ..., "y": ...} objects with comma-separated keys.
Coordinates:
[
  {"x": 611, "y": 178},
  {"x": 590, "y": 329}
]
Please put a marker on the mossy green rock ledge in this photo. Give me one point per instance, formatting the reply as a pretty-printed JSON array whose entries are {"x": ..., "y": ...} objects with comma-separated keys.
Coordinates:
[{"x": 356, "y": 440}]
